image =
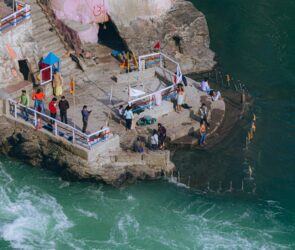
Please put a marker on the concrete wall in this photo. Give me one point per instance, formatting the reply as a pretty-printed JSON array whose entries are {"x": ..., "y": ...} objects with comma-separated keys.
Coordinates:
[
  {"x": 105, "y": 163},
  {"x": 136, "y": 76}
]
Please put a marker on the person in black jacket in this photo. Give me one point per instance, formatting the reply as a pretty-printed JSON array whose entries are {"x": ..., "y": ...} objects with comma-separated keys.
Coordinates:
[
  {"x": 85, "y": 116},
  {"x": 162, "y": 135},
  {"x": 63, "y": 107}
]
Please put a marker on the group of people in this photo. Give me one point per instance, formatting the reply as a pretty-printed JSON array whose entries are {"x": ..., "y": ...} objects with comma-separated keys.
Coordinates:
[
  {"x": 63, "y": 105},
  {"x": 157, "y": 140},
  {"x": 215, "y": 95}
]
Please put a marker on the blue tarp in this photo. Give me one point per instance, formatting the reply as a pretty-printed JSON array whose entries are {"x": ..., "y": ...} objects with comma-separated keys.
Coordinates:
[{"x": 52, "y": 59}]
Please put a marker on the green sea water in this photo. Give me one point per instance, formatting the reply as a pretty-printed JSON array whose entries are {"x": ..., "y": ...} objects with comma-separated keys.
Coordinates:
[{"x": 254, "y": 41}]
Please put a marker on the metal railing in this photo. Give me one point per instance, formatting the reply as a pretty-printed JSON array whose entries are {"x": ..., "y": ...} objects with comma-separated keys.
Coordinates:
[
  {"x": 57, "y": 128},
  {"x": 15, "y": 18},
  {"x": 147, "y": 101}
]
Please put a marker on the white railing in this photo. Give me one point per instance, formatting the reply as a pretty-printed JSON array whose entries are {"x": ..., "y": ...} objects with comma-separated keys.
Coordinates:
[
  {"x": 15, "y": 18},
  {"x": 44, "y": 81},
  {"x": 56, "y": 127},
  {"x": 149, "y": 100},
  {"x": 155, "y": 58}
]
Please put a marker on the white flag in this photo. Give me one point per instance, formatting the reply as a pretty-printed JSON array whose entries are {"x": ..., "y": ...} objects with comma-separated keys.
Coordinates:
[
  {"x": 178, "y": 75},
  {"x": 135, "y": 92}
]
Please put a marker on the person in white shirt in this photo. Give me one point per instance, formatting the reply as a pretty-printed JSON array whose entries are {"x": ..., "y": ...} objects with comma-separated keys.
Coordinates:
[
  {"x": 128, "y": 117},
  {"x": 154, "y": 140},
  {"x": 205, "y": 85}
]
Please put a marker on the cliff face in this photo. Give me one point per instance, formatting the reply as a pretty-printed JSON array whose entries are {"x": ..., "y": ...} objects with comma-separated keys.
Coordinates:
[
  {"x": 23, "y": 142},
  {"x": 177, "y": 24}
]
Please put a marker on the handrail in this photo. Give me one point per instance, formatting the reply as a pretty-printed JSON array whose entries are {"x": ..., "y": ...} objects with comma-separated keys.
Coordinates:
[
  {"x": 15, "y": 16},
  {"x": 150, "y": 95},
  {"x": 88, "y": 142}
]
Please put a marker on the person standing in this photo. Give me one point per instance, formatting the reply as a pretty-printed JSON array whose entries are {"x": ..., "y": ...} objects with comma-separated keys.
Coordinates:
[
  {"x": 53, "y": 109},
  {"x": 202, "y": 134},
  {"x": 57, "y": 84},
  {"x": 39, "y": 98},
  {"x": 63, "y": 106},
  {"x": 85, "y": 116},
  {"x": 204, "y": 114},
  {"x": 154, "y": 140},
  {"x": 25, "y": 101},
  {"x": 180, "y": 98},
  {"x": 128, "y": 117},
  {"x": 162, "y": 135}
]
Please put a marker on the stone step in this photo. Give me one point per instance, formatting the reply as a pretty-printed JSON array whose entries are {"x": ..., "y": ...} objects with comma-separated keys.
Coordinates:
[
  {"x": 47, "y": 42},
  {"x": 59, "y": 52},
  {"x": 53, "y": 47},
  {"x": 43, "y": 35},
  {"x": 44, "y": 27},
  {"x": 37, "y": 14},
  {"x": 66, "y": 70},
  {"x": 39, "y": 22}
]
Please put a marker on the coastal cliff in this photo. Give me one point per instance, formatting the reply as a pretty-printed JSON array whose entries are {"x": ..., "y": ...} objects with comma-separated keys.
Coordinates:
[
  {"x": 178, "y": 25},
  {"x": 180, "y": 28},
  {"x": 21, "y": 141}
]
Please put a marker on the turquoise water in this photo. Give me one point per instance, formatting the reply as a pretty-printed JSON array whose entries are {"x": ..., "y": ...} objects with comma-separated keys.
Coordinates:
[{"x": 255, "y": 42}]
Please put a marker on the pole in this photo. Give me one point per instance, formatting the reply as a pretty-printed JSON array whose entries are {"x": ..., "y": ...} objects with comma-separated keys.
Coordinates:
[{"x": 74, "y": 100}]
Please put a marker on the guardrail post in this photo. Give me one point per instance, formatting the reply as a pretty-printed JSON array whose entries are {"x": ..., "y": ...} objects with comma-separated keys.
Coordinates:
[
  {"x": 161, "y": 61},
  {"x": 150, "y": 104},
  {"x": 88, "y": 142},
  {"x": 14, "y": 21},
  {"x": 28, "y": 11},
  {"x": 35, "y": 118},
  {"x": 55, "y": 128},
  {"x": 15, "y": 111},
  {"x": 74, "y": 136}
]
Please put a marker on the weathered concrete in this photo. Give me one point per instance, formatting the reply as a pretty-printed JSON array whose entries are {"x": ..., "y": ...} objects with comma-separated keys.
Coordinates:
[{"x": 110, "y": 164}]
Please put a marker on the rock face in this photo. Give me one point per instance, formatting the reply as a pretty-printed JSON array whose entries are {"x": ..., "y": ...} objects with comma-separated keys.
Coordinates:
[
  {"x": 37, "y": 148},
  {"x": 177, "y": 24},
  {"x": 181, "y": 28}
]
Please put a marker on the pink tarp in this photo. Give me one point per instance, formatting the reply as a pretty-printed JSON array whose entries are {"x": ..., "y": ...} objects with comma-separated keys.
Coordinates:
[{"x": 84, "y": 11}]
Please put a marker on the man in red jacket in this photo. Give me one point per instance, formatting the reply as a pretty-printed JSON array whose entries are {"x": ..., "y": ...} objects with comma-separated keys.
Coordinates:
[{"x": 53, "y": 109}]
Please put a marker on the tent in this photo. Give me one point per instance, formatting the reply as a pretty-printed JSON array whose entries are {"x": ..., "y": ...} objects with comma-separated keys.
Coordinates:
[{"x": 52, "y": 59}]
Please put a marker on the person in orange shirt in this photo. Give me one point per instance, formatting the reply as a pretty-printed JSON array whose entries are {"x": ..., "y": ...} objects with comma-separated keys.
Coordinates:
[
  {"x": 202, "y": 134},
  {"x": 39, "y": 98}
]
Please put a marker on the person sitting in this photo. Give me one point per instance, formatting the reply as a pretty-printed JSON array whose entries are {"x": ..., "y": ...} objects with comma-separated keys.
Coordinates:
[
  {"x": 138, "y": 146},
  {"x": 205, "y": 85},
  {"x": 154, "y": 140},
  {"x": 216, "y": 96}
]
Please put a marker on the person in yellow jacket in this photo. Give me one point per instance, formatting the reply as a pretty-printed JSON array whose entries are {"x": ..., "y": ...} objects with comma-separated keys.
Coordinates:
[{"x": 57, "y": 84}]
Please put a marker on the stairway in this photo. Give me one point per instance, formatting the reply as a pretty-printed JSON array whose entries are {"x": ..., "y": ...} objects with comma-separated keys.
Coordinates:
[{"x": 47, "y": 41}]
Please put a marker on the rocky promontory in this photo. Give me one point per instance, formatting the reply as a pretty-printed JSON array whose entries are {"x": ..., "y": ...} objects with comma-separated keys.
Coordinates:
[{"x": 181, "y": 29}]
